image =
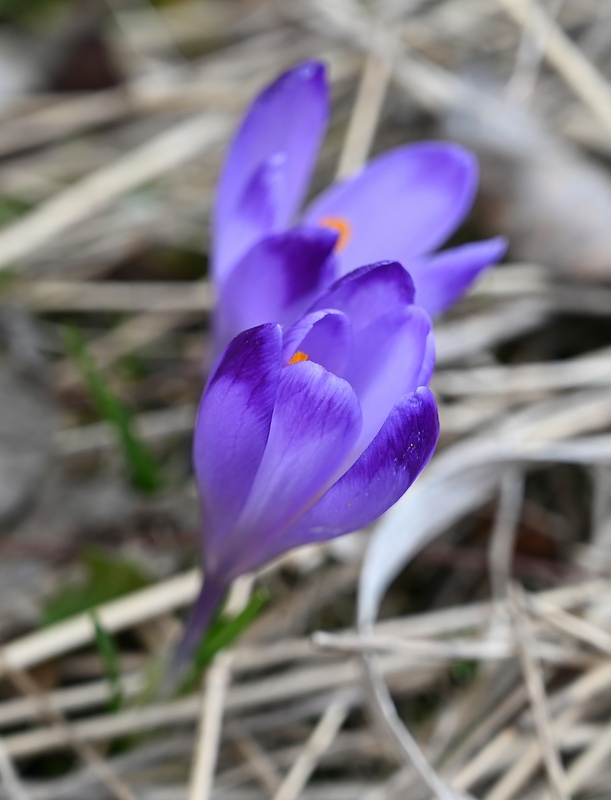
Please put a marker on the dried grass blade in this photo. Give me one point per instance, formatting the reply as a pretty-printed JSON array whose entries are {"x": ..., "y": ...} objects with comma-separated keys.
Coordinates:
[
  {"x": 536, "y": 691},
  {"x": 320, "y": 740},
  {"x": 80, "y": 201}
]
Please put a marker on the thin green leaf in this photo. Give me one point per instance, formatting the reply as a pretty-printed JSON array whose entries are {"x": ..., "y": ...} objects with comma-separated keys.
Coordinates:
[
  {"x": 109, "y": 654},
  {"x": 463, "y": 672},
  {"x": 145, "y": 473},
  {"x": 222, "y": 633},
  {"x": 107, "y": 577}
]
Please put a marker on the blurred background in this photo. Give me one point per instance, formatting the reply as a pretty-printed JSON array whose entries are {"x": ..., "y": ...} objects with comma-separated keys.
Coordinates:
[{"x": 114, "y": 115}]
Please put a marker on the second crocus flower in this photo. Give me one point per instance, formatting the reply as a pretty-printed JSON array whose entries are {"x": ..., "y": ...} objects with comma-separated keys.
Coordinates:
[{"x": 269, "y": 261}]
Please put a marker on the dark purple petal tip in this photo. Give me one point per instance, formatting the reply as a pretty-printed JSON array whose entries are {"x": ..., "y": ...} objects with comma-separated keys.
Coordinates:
[{"x": 307, "y": 71}]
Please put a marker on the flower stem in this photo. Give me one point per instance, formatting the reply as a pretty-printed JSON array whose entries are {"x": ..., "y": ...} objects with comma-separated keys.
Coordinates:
[{"x": 201, "y": 615}]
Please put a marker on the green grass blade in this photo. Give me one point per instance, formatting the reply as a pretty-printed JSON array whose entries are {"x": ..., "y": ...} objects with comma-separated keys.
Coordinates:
[
  {"x": 109, "y": 654},
  {"x": 144, "y": 470},
  {"x": 222, "y": 633}
]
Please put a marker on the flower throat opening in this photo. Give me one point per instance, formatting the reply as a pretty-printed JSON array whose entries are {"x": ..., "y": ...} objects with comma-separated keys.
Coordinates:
[
  {"x": 342, "y": 226},
  {"x": 299, "y": 356}
]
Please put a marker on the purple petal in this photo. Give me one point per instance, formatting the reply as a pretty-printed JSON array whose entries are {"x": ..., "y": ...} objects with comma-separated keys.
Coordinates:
[
  {"x": 324, "y": 337},
  {"x": 315, "y": 424},
  {"x": 388, "y": 361},
  {"x": 402, "y": 205},
  {"x": 382, "y": 474},
  {"x": 287, "y": 120},
  {"x": 275, "y": 281},
  {"x": 369, "y": 292},
  {"x": 255, "y": 215},
  {"x": 443, "y": 278},
  {"x": 232, "y": 428},
  {"x": 428, "y": 361}
]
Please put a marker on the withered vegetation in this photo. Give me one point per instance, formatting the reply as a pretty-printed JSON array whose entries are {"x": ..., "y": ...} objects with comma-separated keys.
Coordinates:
[{"x": 493, "y": 637}]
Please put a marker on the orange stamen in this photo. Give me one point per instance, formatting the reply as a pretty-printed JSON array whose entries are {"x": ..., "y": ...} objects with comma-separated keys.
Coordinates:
[
  {"x": 299, "y": 356},
  {"x": 342, "y": 226}
]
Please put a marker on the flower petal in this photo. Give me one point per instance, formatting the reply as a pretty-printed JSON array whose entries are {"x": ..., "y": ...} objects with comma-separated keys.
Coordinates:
[
  {"x": 232, "y": 427},
  {"x": 401, "y": 205},
  {"x": 324, "y": 337},
  {"x": 315, "y": 424},
  {"x": 382, "y": 474},
  {"x": 389, "y": 358},
  {"x": 288, "y": 120},
  {"x": 254, "y": 215},
  {"x": 428, "y": 361},
  {"x": 275, "y": 281},
  {"x": 444, "y": 277},
  {"x": 368, "y": 293}
]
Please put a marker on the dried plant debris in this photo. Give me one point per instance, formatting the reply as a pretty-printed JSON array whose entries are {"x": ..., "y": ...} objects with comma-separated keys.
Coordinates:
[
  {"x": 552, "y": 199},
  {"x": 459, "y": 648},
  {"x": 29, "y": 418}
]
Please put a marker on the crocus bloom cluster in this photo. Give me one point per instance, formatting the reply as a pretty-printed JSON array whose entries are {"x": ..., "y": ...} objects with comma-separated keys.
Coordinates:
[
  {"x": 269, "y": 263},
  {"x": 315, "y": 431}
]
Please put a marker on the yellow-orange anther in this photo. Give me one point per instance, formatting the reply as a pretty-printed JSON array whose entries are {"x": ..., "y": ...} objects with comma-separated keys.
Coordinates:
[
  {"x": 299, "y": 356},
  {"x": 342, "y": 226}
]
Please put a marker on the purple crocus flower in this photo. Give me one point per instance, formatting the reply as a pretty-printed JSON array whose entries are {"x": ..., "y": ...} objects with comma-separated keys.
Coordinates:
[
  {"x": 403, "y": 205},
  {"x": 310, "y": 433}
]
